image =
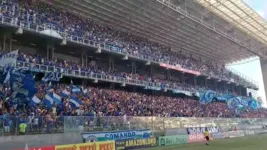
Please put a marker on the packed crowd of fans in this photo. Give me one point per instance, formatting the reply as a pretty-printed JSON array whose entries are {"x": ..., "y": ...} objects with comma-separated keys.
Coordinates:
[
  {"x": 105, "y": 103},
  {"x": 101, "y": 102},
  {"x": 35, "y": 12},
  {"x": 98, "y": 68}
]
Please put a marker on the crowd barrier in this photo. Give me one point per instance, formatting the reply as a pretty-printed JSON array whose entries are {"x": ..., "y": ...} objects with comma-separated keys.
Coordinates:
[
  {"x": 134, "y": 132},
  {"x": 127, "y": 144},
  {"x": 158, "y": 125},
  {"x": 107, "y": 145}
]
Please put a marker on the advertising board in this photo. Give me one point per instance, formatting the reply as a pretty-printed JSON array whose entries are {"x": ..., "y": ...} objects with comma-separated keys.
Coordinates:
[
  {"x": 116, "y": 135},
  {"x": 217, "y": 135},
  {"x": 136, "y": 143},
  {"x": 260, "y": 131},
  {"x": 173, "y": 140},
  {"x": 108, "y": 145},
  {"x": 200, "y": 130},
  {"x": 249, "y": 132},
  {"x": 248, "y": 127},
  {"x": 195, "y": 138},
  {"x": 174, "y": 131},
  {"x": 39, "y": 148},
  {"x": 233, "y": 134}
]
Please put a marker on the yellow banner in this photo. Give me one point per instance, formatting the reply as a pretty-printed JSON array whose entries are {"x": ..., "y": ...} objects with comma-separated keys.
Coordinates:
[{"x": 108, "y": 145}]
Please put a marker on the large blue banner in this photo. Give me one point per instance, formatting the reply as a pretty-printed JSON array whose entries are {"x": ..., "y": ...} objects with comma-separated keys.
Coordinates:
[
  {"x": 233, "y": 102},
  {"x": 22, "y": 85},
  {"x": 207, "y": 97}
]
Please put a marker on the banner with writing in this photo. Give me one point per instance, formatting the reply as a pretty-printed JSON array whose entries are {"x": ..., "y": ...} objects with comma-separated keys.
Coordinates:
[
  {"x": 37, "y": 148},
  {"x": 217, "y": 135},
  {"x": 116, "y": 135},
  {"x": 108, "y": 145},
  {"x": 200, "y": 130},
  {"x": 233, "y": 134},
  {"x": 249, "y": 132},
  {"x": 179, "y": 68},
  {"x": 192, "y": 138},
  {"x": 135, "y": 144},
  {"x": 173, "y": 140}
]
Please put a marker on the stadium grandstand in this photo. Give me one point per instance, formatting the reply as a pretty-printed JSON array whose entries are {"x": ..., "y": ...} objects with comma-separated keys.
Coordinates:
[{"x": 122, "y": 58}]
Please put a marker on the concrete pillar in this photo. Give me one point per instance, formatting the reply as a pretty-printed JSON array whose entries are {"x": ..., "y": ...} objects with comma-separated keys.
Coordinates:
[
  {"x": 53, "y": 52},
  {"x": 224, "y": 86},
  {"x": 7, "y": 44},
  {"x": 84, "y": 83},
  {"x": 151, "y": 70},
  {"x": 50, "y": 50},
  {"x": 111, "y": 63},
  {"x": 133, "y": 67},
  {"x": 182, "y": 77},
  {"x": 206, "y": 82},
  {"x": 195, "y": 80},
  {"x": 10, "y": 42},
  {"x": 4, "y": 42},
  {"x": 112, "y": 85},
  {"x": 168, "y": 74},
  {"x": 134, "y": 88},
  {"x": 240, "y": 90},
  {"x": 264, "y": 74},
  {"x": 81, "y": 59},
  {"x": 215, "y": 85},
  {"x": 86, "y": 60}
]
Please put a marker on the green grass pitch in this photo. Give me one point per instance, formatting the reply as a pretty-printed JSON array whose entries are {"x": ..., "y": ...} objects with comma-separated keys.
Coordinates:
[{"x": 255, "y": 142}]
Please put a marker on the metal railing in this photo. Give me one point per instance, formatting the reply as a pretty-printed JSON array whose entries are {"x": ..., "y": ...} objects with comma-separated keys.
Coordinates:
[
  {"x": 78, "y": 124},
  {"x": 97, "y": 76}
]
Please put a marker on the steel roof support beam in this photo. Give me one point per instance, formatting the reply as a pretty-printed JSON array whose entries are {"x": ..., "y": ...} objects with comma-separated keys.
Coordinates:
[
  {"x": 244, "y": 27},
  {"x": 187, "y": 35},
  {"x": 192, "y": 38}
]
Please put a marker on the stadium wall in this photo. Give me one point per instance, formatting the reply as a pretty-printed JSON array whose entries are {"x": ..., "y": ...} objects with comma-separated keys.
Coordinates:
[{"x": 13, "y": 142}]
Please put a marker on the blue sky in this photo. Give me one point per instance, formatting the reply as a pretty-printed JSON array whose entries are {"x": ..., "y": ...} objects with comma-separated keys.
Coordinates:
[{"x": 260, "y": 6}]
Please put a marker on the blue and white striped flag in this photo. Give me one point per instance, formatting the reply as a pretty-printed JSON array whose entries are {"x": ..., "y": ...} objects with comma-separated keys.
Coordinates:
[
  {"x": 86, "y": 92},
  {"x": 36, "y": 100},
  {"x": 57, "y": 98},
  {"x": 65, "y": 93},
  {"x": 49, "y": 98},
  {"x": 76, "y": 101},
  {"x": 75, "y": 89}
]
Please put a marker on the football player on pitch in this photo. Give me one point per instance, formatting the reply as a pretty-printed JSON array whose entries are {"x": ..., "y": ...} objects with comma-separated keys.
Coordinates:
[{"x": 207, "y": 137}]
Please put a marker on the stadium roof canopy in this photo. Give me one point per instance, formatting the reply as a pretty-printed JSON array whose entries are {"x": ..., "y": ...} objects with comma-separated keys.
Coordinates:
[
  {"x": 217, "y": 30},
  {"x": 240, "y": 15}
]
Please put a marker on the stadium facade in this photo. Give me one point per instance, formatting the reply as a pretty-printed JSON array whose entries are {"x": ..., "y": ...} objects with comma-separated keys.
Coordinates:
[
  {"x": 220, "y": 31},
  {"x": 194, "y": 28}
]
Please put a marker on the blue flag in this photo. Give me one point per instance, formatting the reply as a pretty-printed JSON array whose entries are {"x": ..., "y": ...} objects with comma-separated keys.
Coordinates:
[
  {"x": 22, "y": 85},
  {"x": 75, "y": 101}
]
